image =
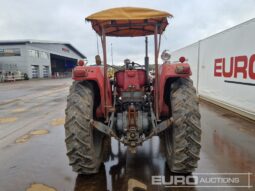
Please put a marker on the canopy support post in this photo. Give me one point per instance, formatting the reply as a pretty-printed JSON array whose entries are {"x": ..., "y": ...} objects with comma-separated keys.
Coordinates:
[
  {"x": 146, "y": 60},
  {"x": 103, "y": 39},
  {"x": 156, "y": 85}
]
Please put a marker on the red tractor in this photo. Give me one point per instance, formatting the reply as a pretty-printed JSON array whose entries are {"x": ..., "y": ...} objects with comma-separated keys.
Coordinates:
[{"x": 133, "y": 106}]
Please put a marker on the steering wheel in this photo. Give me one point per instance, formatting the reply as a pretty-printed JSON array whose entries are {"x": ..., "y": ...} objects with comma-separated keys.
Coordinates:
[{"x": 131, "y": 65}]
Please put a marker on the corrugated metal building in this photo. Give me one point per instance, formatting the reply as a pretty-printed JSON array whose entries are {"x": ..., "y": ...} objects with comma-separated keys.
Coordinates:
[{"x": 38, "y": 59}]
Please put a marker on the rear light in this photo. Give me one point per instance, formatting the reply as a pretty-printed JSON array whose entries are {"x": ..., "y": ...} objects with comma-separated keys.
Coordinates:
[
  {"x": 182, "y": 69},
  {"x": 182, "y": 59},
  {"x": 81, "y": 63}
]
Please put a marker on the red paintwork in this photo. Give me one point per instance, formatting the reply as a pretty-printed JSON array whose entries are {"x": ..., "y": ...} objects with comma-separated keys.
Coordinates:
[
  {"x": 96, "y": 74},
  {"x": 126, "y": 78},
  {"x": 167, "y": 71}
]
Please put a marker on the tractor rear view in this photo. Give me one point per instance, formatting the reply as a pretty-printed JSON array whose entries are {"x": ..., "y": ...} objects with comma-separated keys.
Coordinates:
[{"x": 134, "y": 106}]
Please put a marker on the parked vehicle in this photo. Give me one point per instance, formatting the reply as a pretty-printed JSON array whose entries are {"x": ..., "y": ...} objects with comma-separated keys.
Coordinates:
[{"x": 134, "y": 106}]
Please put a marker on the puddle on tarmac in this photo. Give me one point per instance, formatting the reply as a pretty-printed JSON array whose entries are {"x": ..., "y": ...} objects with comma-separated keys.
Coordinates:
[
  {"x": 240, "y": 158},
  {"x": 40, "y": 187},
  {"x": 18, "y": 110},
  {"x": 126, "y": 171},
  {"x": 58, "y": 121},
  {"x": 25, "y": 138},
  {"x": 8, "y": 119}
]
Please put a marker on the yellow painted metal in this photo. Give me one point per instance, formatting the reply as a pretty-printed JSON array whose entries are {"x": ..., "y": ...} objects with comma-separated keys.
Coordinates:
[
  {"x": 129, "y": 21},
  {"x": 128, "y": 13}
]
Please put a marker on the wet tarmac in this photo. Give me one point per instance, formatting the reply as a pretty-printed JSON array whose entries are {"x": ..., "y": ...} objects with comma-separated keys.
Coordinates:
[{"x": 32, "y": 148}]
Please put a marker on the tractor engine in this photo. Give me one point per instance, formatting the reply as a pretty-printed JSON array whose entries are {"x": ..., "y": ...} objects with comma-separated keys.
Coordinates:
[{"x": 132, "y": 106}]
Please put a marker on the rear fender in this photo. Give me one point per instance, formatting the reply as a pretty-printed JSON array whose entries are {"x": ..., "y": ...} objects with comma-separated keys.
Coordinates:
[
  {"x": 95, "y": 75},
  {"x": 166, "y": 73}
]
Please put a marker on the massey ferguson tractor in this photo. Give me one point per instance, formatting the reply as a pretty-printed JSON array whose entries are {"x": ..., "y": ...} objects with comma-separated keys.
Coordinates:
[{"x": 134, "y": 105}]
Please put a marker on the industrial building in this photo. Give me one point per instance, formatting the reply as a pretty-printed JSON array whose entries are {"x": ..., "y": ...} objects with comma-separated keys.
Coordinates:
[{"x": 38, "y": 59}]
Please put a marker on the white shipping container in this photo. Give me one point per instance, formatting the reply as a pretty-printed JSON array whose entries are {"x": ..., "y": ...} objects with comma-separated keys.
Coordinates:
[{"x": 223, "y": 67}]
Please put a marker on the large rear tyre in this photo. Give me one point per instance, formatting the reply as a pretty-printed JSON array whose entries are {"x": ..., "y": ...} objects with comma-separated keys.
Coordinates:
[
  {"x": 86, "y": 147},
  {"x": 182, "y": 140}
]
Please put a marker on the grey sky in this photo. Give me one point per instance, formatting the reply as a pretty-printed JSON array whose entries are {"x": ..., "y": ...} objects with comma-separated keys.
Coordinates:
[{"x": 63, "y": 20}]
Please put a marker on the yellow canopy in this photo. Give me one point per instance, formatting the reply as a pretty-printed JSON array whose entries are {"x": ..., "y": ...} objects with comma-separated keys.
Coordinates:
[
  {"x": 128, "y": 13},
  {"x": 129, "y": 21}
]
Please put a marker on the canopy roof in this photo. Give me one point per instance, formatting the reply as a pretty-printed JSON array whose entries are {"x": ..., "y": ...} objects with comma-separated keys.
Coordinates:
[{"x": 129, "y": 21}]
